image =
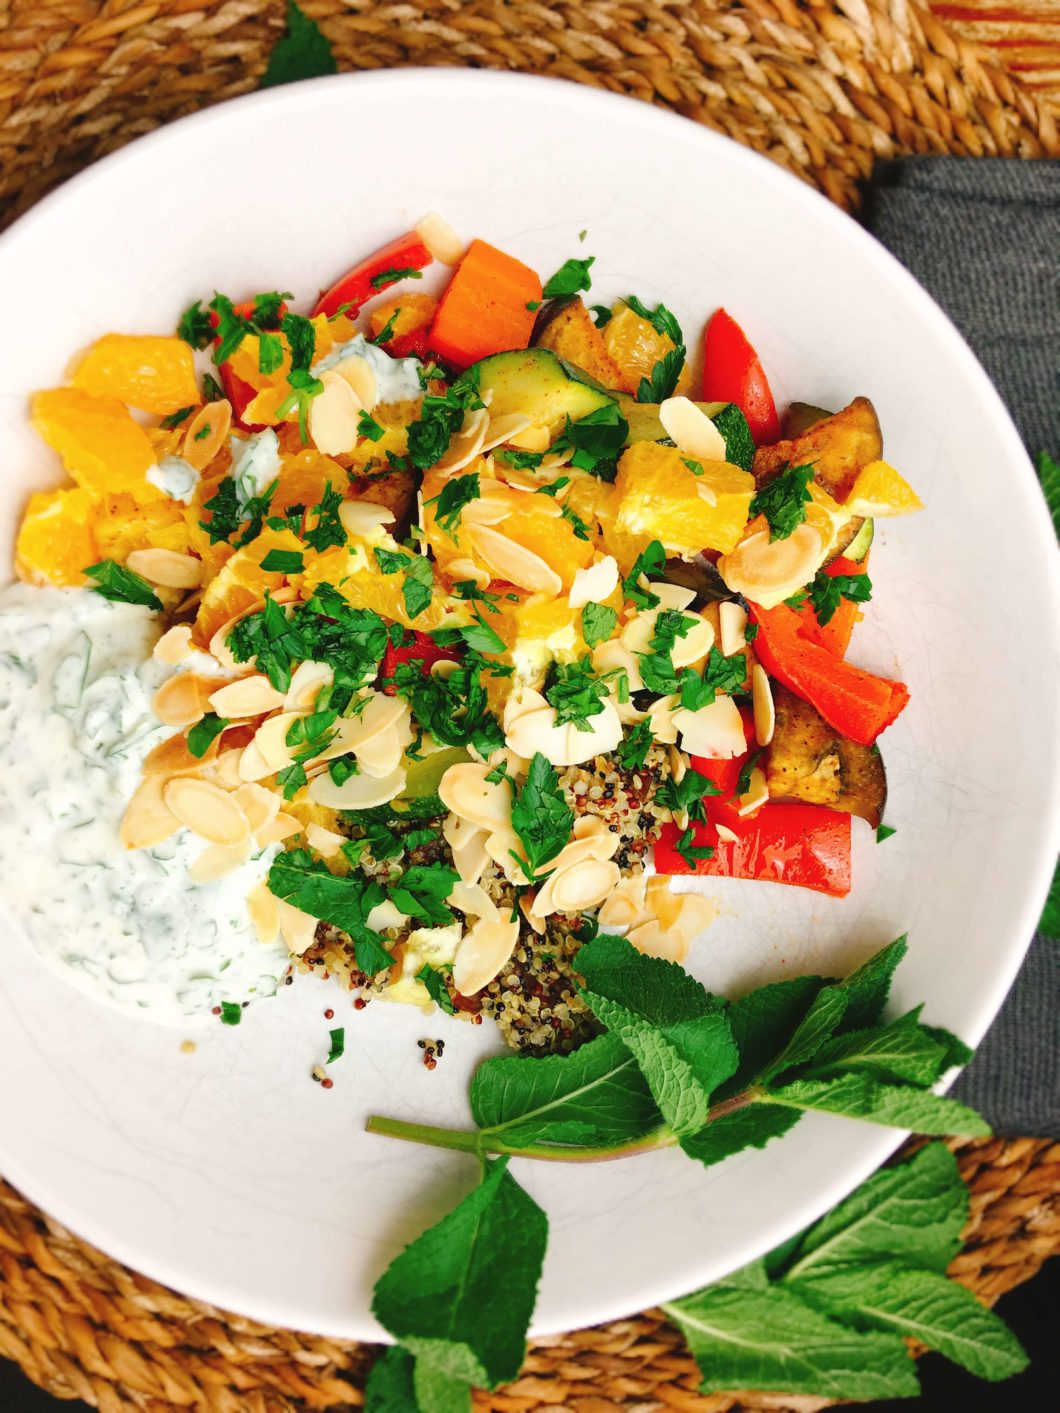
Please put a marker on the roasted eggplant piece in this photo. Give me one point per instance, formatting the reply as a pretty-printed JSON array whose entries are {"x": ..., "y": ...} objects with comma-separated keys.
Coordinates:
[
  {"x": 807, "y": 760},
  {"x": 837, "y": 448},
  {"x": 567, "y": 328},
  {"x": 801, "y": 416},
  {"x": 702, "y": 576}
]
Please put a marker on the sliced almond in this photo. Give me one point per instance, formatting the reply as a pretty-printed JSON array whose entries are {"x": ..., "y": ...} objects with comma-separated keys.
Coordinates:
[
  {"x": 756, "y": 795},
  {"x": 672, "y": 595},
  {"x": 206, "y": 810},
  {"x": 762, "y": 701},
  {"x": 503, "y": 429},
  {"x": 174, "y": 645},
  {"x": 385, "y": 915},
  {"x": 486, "y": 510},
  {"x": 182, "y": 699},
  {"x": 359, "y": 375},
  {"x": 220, "y": 650},
  {"x": 440, "y": 239},
  {"x": 506, "y": 851},
  {"x": 333, "y": 415},
  {"x": 264, "y": 911},
  {"x": 253, "y": 765},
  {"x": 271, "y": 739},
  {"x": 298, "y": 929},
  {"x": 509, "y": 560},
  {"x": 697, "y": 642},
  {"x": 166, "y": 568},
  {"x": 461, "y": 571},
  {"x": 526, "y": 907},
  {"x": 689, "y": 427},
  {"x": 696, "y": 913},
  {"x": 148, "y": 819},
  {"x": 323, "y": 841},
  {"x": 281, "y": 827},
  {"x": 769, "y": 571},
  {"x": 624, "y": 905},
  {"x": 580, "y": 885},
  {"x": 732, "y": 622},
  {"x": 533, "y": 439},
  {"x": 224, "y": 771},
  {"x": 218, "y": 861},
  {"x": 250, "y": 696},
  {"x": 706, "y": 493},
  {"x": 727, "y": 835},
  {"x": 207, "y": 433},
  {"x": 471, "y": 857},
  {"x": 306, "y": 685},
  {"x": 595, "y": 583},
  {"x": 482, "y": 955},
  {"x": 382, "y": 754},
  {"x": 614, "y": 655},
  {"x": 358, "y": 792},
  {"x": 361, "y": 518},
  {"x": 260, "y": 806},
  {"x": 472, "y": 899},
  {"x": 661, "y": 719},
  {"x": 467, "y": 443},
  {"x": 457, "y": 832},
  {"x": 172, "y": 757},
  {"x": 465, "y": 791},
  {"x": 714, "y": 731},
  {"x": 653, "y": 940}
]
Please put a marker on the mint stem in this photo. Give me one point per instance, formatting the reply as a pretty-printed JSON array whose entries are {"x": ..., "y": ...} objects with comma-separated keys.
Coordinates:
[{"x": 463, "y": 1141}]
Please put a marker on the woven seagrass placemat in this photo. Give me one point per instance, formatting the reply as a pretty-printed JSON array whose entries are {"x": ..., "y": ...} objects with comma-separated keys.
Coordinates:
[{"x": 825, "y": 87}]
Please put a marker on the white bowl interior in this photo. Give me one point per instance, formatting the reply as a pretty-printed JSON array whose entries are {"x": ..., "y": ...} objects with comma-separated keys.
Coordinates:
[{"x": 227, "y": 1173}]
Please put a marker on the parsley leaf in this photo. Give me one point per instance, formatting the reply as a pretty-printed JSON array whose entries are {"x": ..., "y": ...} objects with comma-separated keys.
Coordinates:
[
  {"x": 279, "y": 561},
  {"x": 828, "y": 590},
  {"x": 436, "y": 987},
  {"x": 576, "y": 693},
  {"x": 601, "y": 314},
  {"x": 303, "y": 52},
  {"x": 633, "y": 751},
  {"x": 783, "y": 501},
  {"x": 231, "y": 1013},
  {"x": 596, "y": 440},
  {"x": 664, "y": 375},
  {"x": 720, "y": 674},
  {"x": 452, "y": 499},
  {"x": 541, "y": 816},
  {"x": 121, "y": 585},
  {"x": 884, "y": 831},
  {"x": 660, "y": 318},
  {"x": 338, "y": 1045},
  {"x": 328, "y": 530},
  {"x": 650, "y": 560},
  {"x": 481, "y": 637},
  {"x": 392, "y": 274},
  {"x": 228, "y": 513},
  {"x": 743, "y": 780},
  {"x": 687, "y": 794},
  {"x": 386, "y": 333},
  {"x": 307, "y": 883},
  {"x": 521, "y": 460},
  {"x": 195, "y": 327},
  {"x": 203, "y": 734},
  {"x": 571, "y": 277},
  {"x": 581, "y": 529},
  {"x": 368, "y": 427},
  {"x": 1050, "y": 923},
  {"x": 176, "y": 418},
  {"x": 421, "y": 892},
  {"x": 598, "y": 623},
  {"x": 417, "y": 591},
  {"x": 690, "y": 851},
  {"x": 440, "y": 417}
]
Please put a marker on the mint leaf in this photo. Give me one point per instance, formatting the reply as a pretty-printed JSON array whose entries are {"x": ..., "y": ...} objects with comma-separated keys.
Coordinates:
[
  {"x": 1049, "y": 474},
  {"x": 1050, "y": 923},
  {"x": 825, "y": 1013},
  {"x": 742, "y": 1337},
  {"x": 598, "y": 623},
  {"x": 303, "y": 52},
  {"x": 894, "y": 1105},
  {"x": 306, "y": 883},
  {"x": 758, "y": 1018},
  {"x": 923, "y": 1305},
  {"x": 915, "y": 1212},
  {"x": 440, "y": 1296},
  {"x": 901, "y": 1051},
  {"x": 437, "y": 1392},
  {"x": 541, "y": 816},
  {"x": 867, "y": 988},
  {"x": 389, "y": 1387},
  {"x": 593, "y": 1097},
  {"x": 957, "y": 1053},
  {"x": 677, "y": 1030},
  {"x": 750, "y": 1127}
]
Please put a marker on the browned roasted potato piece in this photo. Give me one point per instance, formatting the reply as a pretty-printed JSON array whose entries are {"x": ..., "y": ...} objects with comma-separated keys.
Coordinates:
[
  {"x": 837, "y": 448},
  {"x": 568, "y": 330},
  {"x": 807, "y": 760},
  {"x": 396, "y": 490}
]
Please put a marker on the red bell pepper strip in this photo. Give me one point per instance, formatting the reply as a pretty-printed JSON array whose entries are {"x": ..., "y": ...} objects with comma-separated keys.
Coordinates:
[
  {"x": 422, "y": 649},
  {"x": 484, "y": 309},
  {"x": 836, "y": 633},
  {"x": 725, "y": 773},
  {"x": 381, "y": 270},
  {"x": 856, "y": 703},
  {"x": 784, "y": 842},
  {"x": 733, "y": 372}
]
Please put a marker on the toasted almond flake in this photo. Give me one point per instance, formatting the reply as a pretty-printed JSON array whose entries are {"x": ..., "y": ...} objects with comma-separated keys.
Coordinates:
[
  {"x": 359, "y": 792},
  {"x": 678, "y": 765},
  {"x": 482, "y": 954},
  {"x": 298, "y": 929},
  {"x": 460, "y": 571},
  {"x": 207, "y": 433},
  {"x": 472, "y": 899},
  {"x": 769, "y": 571},
  {"x": 172, "y": 757},
  {"x": 696, "y": 913},
  {"x": 260, "y": 805},
  {"x": 762, "y": 699},
  {"x": 382, "y": 754},
  {"x": 526, "y": 907},
  {"x": 714, "y": 731},
  {"x": 727, "y": 835},
  {"x": 362, "y": 518},
  {"x": 271, "y": 739},
  {"x": 220, "y": 650},
  {"x": 148, "y": 820},
  {"x": 689, "y": 427},
  {"x": 218, "y": 861},
  {"x": 486, "y": 510},
  {"x": 662, "y": 720},
  {"x": 757, "y": 793},
  {"x": 458, "y": 832},
  {"x": 467, "y": 443},
  {"x": 465, "y": 791},
  {"x": 506, "y": 851},
  {"x": 166, "y": 568},
  {"x": 385, "y": 915},
  {"x": 359, "y": 375},
  {"x": 440, "y": 239},
  {"x": 174, "y": 645},
  {"x": 503, "y": 429},
  {"x": 182, "y": 699},
  {"x": 672, "y": 595},
  {"x": 580, "y": 885},
  {"x": 224, "y": 770},
  {"x": 609, "y": 656},
  {"x": 653, "y": 940},
  {"x": 595, "y": 583},
  {"x": 206, "y": 810},
  {"x": 306, "y": 684},
  {"x": 470, "y": 858},
  {"x": 323, "y": 841},
  {"x": 333, "y": 415},
  {"x": 253, "y": 765},
  {"x": 512, "y": 561},
  {"x": 250, "y": 696},
  {"x": 624, "y": 905},
  {"x": 264, "y": 912},
  {"x": 732, "y": 621},
  {"x": 697, "y": 642},
  {"x": 281, "y": 827}
]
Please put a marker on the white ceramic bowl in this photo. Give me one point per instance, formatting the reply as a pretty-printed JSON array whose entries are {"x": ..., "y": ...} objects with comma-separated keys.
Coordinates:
[{"x": 228, "y": 1174}]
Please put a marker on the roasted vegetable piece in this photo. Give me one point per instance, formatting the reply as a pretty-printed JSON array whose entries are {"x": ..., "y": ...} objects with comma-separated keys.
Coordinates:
[
  {"x": 837, "y": 448},
  {"x": 535, "y": 381},
  {"x": 567, "y": 328},
  {"x": 700, "y": 574},
  {"x": 733, "y": 372},
  {"x": 807, "y": 760},
  {"x": 806, "y": 846},
  {"x": 396, "y": 490},
  {"x": 801, "y": 416},
  {"x": 485, "y": 309}
]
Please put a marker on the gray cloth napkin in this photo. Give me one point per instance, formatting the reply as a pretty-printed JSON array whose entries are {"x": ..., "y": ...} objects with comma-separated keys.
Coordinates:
[{"x": 982, "y": 235}]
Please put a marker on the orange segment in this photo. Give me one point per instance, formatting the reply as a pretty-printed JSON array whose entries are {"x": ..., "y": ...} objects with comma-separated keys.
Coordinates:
[
  {"x": 101, "y": 445},
  {"x": 120, "y": 525},
  {"x": 636, "y": 346},
  {"x": 411, "y": 311},
  {"x": 148, "y": 371},
  {"x": 242, "y": 582},
  {"x": 304, "y": 479},
  {"x": 880, "y": 490},
  {"x": 553, "y": 538},
  {"x": 538, "y": 630},
  {"x": 357, "y": 576},
  {"x": 55, "y": 541},
  {"x": 656, "y": 497}
]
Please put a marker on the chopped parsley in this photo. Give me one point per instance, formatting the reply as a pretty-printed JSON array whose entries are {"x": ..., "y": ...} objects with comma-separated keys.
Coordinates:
[
  {"x": 421, "y": 892},
  {"x": 576, "y": 692},
  {"x": 338, "y": 1045},
  {"x": 596, "y": 441},
  {"x": 720, "y": 674},
  {"x": 660, "y": 318},
  {"x": 520, "y": 460},
  {"x": 480, "y": 637},
  {"x": 231, "y": 1013},
  {"x": 664, "y": 375},
  {"x": 687, "y": 794},
  {"x": 176, "y": 418},
  {"x": 577, "y": 524},
  {"x": 386, "y": 333},
  {"x": 325, "y": 628},
  {"x": 212, "y": 390},
  {"x": 454, "y": 709},
  {"x": 368, "y": 427},
  {"x": 418, "y": 587},
  {"x": 440, "y": 417},
  {"x": 884, "y": 832},
  {"x": 202, "y": 735},
  {"x": 436, "y": 987},
  {"x": 690, "y": 851},
  {"x": 454, "y": 496},
  {"x": 195, "y": 327},
  {"x": 467, "y": 589},
  {"x": 656, "y": 667},
  {"x": 392, "y": 274},
  {"x": 304, "y": 387},
  {"x": 783, "y": 501},
  {"x": 829, "y": 590},
  {"x": 743, "y": 780},
  {"x": 601, "y": 314},
  {"x": 598, "y": 623},
  {"x": 650, "y": 560},
  {"x": 228, "y": 514},
  {"x": 571, "y": 277},
  {"x": 279, "y": 561},
  {"x": 541, "y": 816},
  {"x": 696, "y": 467},
  {"x": 121, "y": 585},
  {"x": 327, "y": 530},
  {"x": 633, "y": 751}
]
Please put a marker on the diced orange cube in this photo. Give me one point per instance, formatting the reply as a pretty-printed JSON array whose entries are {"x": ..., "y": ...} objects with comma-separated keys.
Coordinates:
[
  {"x": 148, "y": 371},
  {"x": 102, "y": 446},
  {"x": 55, "y": 542}
]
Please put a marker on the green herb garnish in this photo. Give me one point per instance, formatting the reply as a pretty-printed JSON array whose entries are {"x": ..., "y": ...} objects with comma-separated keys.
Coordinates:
[
  {"x": 783, "y": 501},
  {"x": 121, "y": 585},
  {"x": 571, "y": 277}
]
